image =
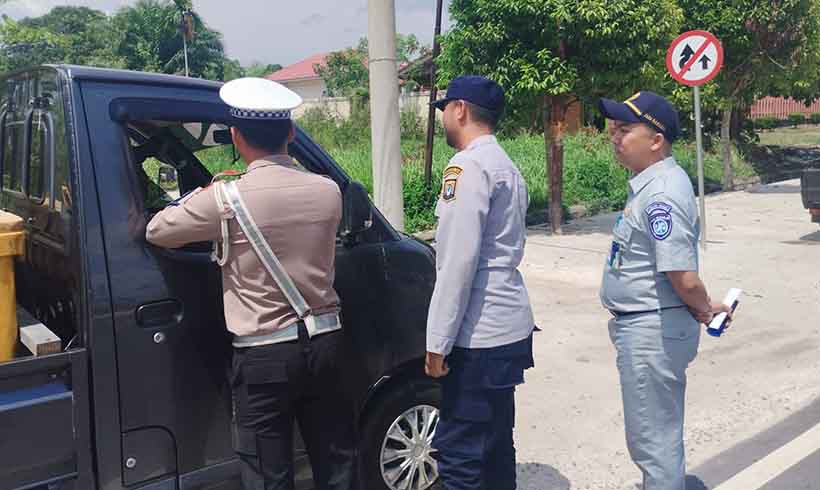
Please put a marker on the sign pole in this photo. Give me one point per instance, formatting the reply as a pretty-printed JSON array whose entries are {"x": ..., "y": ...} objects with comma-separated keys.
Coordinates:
[
  {"x": 701, "y": 190},
  {"x": 694, "y": 58}
]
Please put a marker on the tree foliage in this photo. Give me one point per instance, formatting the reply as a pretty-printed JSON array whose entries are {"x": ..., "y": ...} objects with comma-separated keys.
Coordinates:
[
  {"x": 146, "y": 36},
  {"x": 152, "y": 41},
  {"x": 772, "y": 48},
  {"x": 554, "y": 47},
  {"x": 345, "y": 72},
  {"x": 75, "y": 35},
  {"x": 550, "y": 52}
]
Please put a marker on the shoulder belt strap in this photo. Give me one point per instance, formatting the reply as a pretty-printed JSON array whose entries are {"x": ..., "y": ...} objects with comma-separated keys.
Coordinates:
[{"x": 264, "y": 252}]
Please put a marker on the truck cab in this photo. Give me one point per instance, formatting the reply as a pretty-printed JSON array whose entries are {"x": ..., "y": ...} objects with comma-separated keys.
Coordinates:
[{"x": 138, "y": 396}]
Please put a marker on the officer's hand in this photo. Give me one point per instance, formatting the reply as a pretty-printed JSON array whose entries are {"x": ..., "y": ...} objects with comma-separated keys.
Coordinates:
[
  {"x": 703, "y": 317},
  {"x": 434, "y": 365},
  {"x": 718, "y": 308}
]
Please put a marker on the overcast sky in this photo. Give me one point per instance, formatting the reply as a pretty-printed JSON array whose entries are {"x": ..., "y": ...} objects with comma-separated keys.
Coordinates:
[{"x": 275, "y": 31}]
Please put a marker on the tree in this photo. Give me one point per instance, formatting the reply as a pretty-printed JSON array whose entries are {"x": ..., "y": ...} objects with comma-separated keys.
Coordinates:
[
  {"x": 24, "y": 46},
  {"x": 261, "y": 70},
  {"x": 345, "y": 72},
  {"x": 557, "y": 51},
  {"x": 772, "y": 49},
  {"x": 232, "y": 70},
  {"x": 152, "y": 40},
  {"x": 75, "y": 35}
]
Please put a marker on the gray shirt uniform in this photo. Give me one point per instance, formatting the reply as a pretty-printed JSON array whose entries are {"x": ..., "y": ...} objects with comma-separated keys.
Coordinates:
[
  {"x": 480, "y": 299},
  {"x": 657, "y": 233}
]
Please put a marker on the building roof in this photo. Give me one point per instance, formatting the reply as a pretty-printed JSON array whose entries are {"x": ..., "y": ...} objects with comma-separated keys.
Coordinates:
[{"x": 302, "y": 70}]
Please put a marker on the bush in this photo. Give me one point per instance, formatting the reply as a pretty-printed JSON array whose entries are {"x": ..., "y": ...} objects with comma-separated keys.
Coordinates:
[
  {"x": 592, "y": 176},
  {"x": 796, "y": 119},
  {"x": 766, "y": 122},
  {"x": 814, "y": 118},
  {"x": 412, "y": 125}
]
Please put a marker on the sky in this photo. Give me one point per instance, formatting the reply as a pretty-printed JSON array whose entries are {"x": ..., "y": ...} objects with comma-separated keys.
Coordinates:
[{"x": 275, "y": 31}]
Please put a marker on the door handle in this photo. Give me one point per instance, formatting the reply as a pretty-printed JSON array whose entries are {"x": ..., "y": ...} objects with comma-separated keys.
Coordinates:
[{"x": 165, "y": 313}]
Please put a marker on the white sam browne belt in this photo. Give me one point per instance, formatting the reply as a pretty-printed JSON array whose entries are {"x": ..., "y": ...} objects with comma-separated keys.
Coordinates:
[{"x": 315, "y": 324}]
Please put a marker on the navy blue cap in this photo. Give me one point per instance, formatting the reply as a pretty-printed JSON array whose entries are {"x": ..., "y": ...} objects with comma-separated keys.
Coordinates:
[
  {"x": 475, "y": 89},
  {"x": 644, "y": 107}
]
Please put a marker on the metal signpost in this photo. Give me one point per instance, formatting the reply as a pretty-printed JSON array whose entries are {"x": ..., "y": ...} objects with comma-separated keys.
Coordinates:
[{"x": 693, "y": 59}]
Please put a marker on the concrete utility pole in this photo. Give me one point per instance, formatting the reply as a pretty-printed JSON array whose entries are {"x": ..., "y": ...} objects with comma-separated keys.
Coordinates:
[{"x": 384, "y": 111}]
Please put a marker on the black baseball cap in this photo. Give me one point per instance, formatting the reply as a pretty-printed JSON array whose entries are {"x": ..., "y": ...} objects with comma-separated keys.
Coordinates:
[
  {"x": 644, "y": 107},
  {"x": 475, "y": 89}
]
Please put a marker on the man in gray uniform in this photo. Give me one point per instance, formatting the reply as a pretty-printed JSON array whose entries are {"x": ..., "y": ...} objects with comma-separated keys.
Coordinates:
[
  {"x": 480, "y": 317},
  {"x": 277, "y": 227},
  {"x": 651, "y": 286}
]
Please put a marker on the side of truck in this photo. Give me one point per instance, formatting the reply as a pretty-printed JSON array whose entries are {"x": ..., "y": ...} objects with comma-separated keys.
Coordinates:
[{"x": 138, "y": 398}]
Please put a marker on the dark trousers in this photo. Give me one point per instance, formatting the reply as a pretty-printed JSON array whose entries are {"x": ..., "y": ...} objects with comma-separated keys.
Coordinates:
[
  {"x": 277, "y": 384},
  {"x": 474, "y": 436}
]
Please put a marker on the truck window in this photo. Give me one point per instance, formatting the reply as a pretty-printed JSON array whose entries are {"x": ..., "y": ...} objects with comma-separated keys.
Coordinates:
[
  {"x": 35, "y": 168},
  {"x": 164, "y": 153},
  {"x": 13, "y": 153},
  {"x": 38, "y": 155},
  {"x": 159, "y": 183}
]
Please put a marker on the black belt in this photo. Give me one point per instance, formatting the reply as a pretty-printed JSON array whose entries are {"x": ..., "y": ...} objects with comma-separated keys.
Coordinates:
[{"x": 621, "y": 314}]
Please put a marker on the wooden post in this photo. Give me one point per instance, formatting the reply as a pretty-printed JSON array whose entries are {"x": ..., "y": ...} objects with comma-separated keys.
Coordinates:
[
  {"x": 554, "y": 118},
  {"x": 431, "y": 111}
]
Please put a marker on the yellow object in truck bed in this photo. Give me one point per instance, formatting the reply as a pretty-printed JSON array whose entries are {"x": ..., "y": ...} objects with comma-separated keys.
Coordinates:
[{"x": 12, "y": 242}]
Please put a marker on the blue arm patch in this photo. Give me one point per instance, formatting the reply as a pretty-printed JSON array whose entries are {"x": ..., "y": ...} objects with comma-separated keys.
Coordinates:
[{"x": 659, "y": 215}]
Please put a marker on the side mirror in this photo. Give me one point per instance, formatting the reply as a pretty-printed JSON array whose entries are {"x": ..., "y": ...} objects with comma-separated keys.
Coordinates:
[{"x": 357, "y": 211}]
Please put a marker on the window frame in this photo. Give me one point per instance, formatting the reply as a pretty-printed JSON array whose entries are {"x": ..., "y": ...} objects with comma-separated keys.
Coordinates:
[{"x": 47, "y": 160}]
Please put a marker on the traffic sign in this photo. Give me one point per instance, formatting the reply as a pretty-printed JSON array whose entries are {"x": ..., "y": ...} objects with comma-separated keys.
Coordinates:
[{"x": 694, "y": 58}]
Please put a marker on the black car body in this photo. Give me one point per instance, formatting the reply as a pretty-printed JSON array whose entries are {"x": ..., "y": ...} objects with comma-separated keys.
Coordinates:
[{"x": 139, "y": 396}]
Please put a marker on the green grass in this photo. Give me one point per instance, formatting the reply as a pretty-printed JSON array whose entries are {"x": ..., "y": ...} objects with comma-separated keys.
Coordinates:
[
  {"x": 806, "y": 135},
  {"x": 592, "y": 177}
]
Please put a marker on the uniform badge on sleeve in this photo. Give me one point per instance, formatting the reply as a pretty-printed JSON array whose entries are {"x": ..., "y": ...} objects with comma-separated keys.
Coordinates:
[
  {"x": 448, "y": 186},
  {"x": 660, "y": 220}
]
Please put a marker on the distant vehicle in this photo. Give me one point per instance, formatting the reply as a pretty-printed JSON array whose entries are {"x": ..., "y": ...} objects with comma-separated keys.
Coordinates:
[{"x": 810, "y": 189}]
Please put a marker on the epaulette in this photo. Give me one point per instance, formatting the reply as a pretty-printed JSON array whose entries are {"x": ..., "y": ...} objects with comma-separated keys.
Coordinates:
[{"x": 228, "y": 175}]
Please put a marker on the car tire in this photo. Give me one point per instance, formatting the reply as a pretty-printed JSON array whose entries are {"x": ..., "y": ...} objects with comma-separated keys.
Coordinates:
[{"x": 383, "y": 448}]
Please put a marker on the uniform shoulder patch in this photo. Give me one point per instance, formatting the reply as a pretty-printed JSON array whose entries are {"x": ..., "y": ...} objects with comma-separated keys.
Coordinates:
[
  {"x": 659, "y": 215},
  {"x": 228, "y": 175},
  {"x": 449, "y": 182}
]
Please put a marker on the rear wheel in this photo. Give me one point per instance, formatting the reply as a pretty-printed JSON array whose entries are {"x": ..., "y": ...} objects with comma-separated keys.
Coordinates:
[{"x": 397, "y": 438}]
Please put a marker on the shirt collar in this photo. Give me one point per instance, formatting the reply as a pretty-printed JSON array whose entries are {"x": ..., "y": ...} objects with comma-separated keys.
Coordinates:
[
  {"x": 641, "y": 180},
  {"x": 481, "y": 141},
  {"x": 274, "y": 159}
]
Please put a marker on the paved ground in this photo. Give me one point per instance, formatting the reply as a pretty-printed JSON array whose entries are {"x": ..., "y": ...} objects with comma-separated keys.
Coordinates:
[{"x": 570, "y": 428}]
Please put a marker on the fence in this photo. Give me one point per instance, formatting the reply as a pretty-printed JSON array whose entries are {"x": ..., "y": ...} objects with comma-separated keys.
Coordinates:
[{"x": 780, "y": 108}]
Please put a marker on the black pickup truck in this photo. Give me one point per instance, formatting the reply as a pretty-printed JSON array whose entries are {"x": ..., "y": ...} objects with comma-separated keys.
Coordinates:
[
  {"x": 138, "y": 397},
  {"x": 810, "y": 190}
]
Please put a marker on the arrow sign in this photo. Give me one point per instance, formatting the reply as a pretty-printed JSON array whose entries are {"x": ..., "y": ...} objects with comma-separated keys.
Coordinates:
[
  {"x": 685, "y": 56},
  {"x": 694, "y": 58}
]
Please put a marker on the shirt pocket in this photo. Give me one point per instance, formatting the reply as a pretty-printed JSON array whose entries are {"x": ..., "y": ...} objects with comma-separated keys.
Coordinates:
[{"x": 622, "y": 232}]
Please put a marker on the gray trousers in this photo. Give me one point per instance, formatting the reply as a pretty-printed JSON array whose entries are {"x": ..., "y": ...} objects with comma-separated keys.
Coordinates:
[{"x": 654, "y": 350}]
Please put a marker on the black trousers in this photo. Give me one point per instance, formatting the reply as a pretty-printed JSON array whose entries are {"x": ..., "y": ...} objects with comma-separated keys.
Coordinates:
[{"x": 275, "y": 385}]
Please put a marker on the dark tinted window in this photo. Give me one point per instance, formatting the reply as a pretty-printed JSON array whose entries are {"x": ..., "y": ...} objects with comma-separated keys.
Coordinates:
[{"x": 38, "y": 155}]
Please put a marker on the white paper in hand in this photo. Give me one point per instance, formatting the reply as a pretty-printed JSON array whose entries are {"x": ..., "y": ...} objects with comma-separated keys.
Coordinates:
[{"x": 716, "y": 326}]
